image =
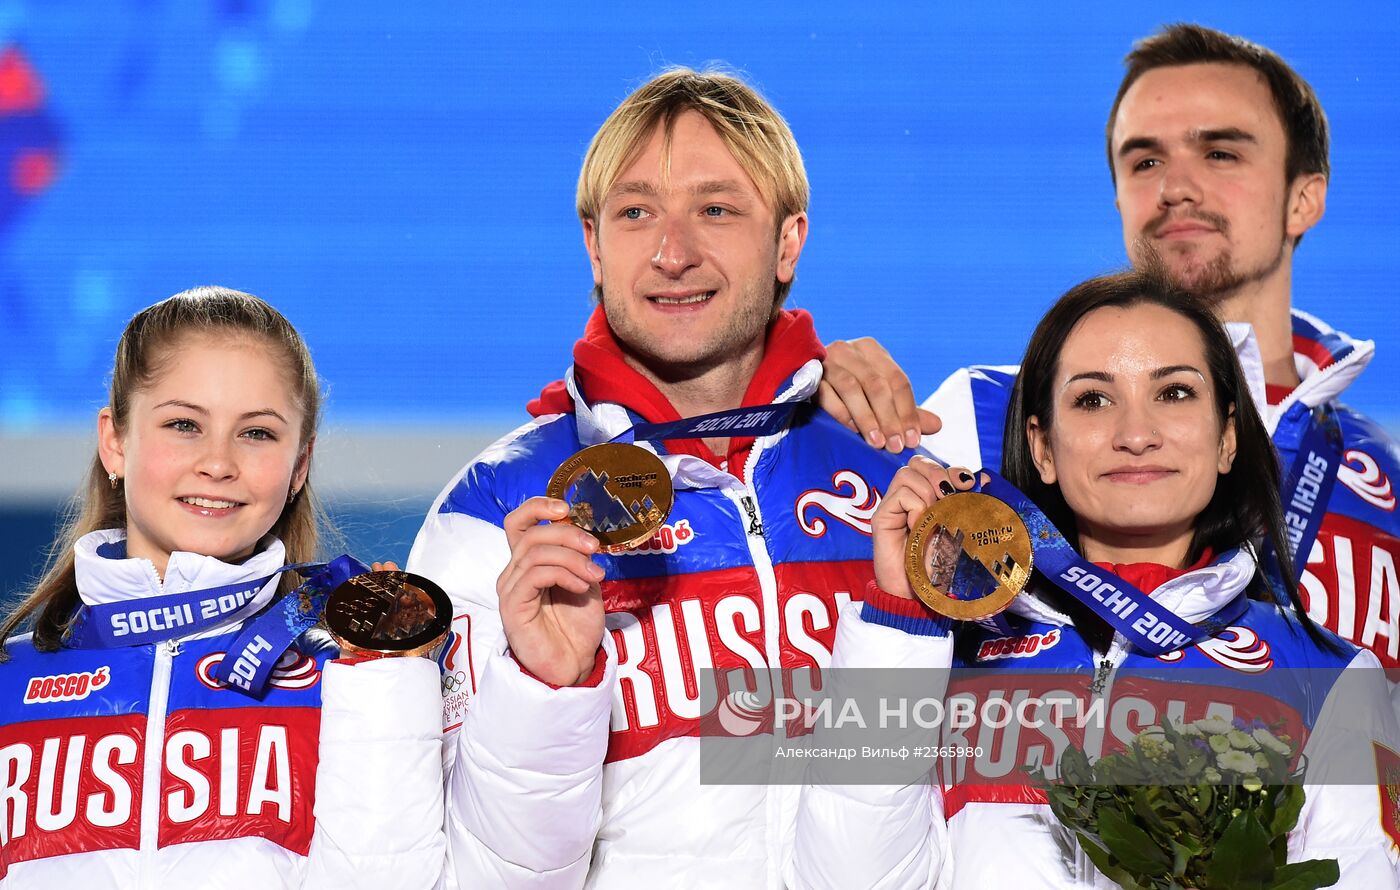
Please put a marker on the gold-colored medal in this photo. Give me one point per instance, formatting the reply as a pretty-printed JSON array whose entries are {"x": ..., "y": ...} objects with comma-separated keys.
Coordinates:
[
  {"x": 388, "y": 614},
  {"x": 968, "y": 556},
  {"x": 619, "y": 493}
]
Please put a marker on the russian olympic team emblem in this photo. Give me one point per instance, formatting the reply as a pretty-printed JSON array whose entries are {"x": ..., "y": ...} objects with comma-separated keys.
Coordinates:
[
  {"x": 1366, "y": 480},
  {"x": 454, "y": 677},
  {"x": 294, "y": 670},
  {"x": 1247, "y": 652},
  {"x": 853, "y": 502}
]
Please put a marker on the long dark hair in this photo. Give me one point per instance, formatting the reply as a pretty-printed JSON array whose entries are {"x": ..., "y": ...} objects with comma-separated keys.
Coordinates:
[
  {"x": 142, "y": 354},
  {"x": 1244, "y": 508}
]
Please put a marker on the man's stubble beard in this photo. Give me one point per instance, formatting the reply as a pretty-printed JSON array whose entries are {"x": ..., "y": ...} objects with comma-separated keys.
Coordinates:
[
  {"x": 1217, "y": 280},
  {"x": 727, "y": 343}
]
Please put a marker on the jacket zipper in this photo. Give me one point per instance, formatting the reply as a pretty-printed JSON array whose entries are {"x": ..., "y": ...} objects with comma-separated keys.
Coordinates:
[
  {"x": 745, "y": 498},
  {"x": 1099, "y": 689},
  {"x": 151, "y": 767},
  {"x": 1101, "y": 678}
]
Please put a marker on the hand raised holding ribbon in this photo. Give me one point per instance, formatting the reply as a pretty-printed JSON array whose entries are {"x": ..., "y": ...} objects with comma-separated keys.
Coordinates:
[
  {"x": 551, "y": 604},
  {"x": 912, "y": 490}
]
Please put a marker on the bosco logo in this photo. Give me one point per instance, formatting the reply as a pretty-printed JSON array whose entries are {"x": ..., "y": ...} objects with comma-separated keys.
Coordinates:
[
  {"x": 65, "y": 687},
  {"x": 1017, "y": 647},
  {"x": 668, "y": 539}
]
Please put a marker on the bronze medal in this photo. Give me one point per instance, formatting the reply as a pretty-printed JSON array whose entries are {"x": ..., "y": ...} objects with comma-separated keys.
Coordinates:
[
  {"x": 968, "y": 556},
  {"x": 388, "y": 613},
  {"x": 618, "y": 493}
]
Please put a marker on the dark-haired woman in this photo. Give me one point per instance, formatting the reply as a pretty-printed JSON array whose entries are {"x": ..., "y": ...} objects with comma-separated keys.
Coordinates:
[{"x": 1131, "y": 428}]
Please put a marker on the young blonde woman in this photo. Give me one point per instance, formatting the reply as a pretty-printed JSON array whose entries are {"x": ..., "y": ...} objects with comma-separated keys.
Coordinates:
[{"x": 126, "y": 758}]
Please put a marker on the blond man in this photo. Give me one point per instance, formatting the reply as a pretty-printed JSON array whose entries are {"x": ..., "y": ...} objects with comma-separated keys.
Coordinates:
[{"x": 576, "y": 708}]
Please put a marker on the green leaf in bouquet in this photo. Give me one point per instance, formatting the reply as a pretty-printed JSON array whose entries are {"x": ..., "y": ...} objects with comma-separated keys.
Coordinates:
[
  {"x": 1104, "y": 862},
  {"x": 1148, "y": 804},
  {"x": 1181, "y": 857},
  {"x": 1132, "y": 846},
  {"x": 1205, "y": 797},
  {"x": 1191, "y": 843},
  {"x": 1192, "y": 759},
  {"x": 1242, "y": 859},
  {"x": 1307, "y": 875},
  {"x": 1193, "y": 818},
  {"x": 1193, "y": 762},
  {"x": 1075, "y": 768},
  {"x": 1277, "y": 770},
  {"x": 1288, "y": 803}
]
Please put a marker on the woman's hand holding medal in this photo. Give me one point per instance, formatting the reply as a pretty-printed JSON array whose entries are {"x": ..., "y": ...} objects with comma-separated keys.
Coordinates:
[
  {"x": 912, "y": 490},
  {"x": 551, "y": 604}
]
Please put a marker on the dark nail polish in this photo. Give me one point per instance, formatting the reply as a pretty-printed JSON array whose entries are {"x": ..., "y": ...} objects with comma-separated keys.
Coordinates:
[
  {"x": 965, "y": 477},
  {"x": 945, "y": 488}
]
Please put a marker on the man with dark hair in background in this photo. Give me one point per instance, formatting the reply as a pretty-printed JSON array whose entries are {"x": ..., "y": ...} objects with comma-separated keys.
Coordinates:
[{"x": 1219, "y": 156}]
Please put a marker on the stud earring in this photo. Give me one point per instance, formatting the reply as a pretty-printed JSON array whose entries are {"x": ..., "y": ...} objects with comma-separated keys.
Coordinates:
[{"x": 113, "y": 478}]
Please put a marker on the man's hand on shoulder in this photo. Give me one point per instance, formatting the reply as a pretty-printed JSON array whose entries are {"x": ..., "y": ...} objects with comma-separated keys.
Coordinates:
[
  {"x": 551, "y": 604},
  {"x": 864, "y": 389}
]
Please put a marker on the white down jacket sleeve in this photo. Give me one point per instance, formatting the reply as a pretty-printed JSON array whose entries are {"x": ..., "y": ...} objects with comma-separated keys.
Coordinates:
[
  {"x": 524, "y": 761},
  {"x": 873, "y": 836},
  {"x": 1353, "y": 792},
  {"x": 379, "y": 779}
]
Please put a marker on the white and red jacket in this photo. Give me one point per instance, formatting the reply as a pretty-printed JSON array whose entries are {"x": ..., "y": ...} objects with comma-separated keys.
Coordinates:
[
  {"x": 131, "y": 767},
  {"x": 997, "y": 830},
  {"x": 599, "y": 785}
]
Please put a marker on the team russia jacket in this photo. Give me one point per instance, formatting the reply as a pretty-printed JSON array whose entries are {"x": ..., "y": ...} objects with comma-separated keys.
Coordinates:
[
  {"x": 978, "y": 834},
  {"x": 599, "y": 785},
  {"x": 1349, "y": 583},
  {"x": 131, "y": 767}
]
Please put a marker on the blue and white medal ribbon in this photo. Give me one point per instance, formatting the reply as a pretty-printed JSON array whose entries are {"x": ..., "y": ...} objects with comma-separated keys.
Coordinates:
[
  {"x": 155, "y": 619},
  {"x": 1150, "y": 627},
  {"x": 761, "y": 420},
  {"x": 252, "y": 655},
  {"x": 1307, "y": 488},
  {"x": 250, "y": 658}
]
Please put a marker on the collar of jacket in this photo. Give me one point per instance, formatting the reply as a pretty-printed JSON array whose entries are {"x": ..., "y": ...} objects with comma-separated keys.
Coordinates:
[
  {"x": 1194, "y": 596},
  {"x": 608, "y": 396},
  {"x": 1327, "y": 361},
  {"x": 105, "y": 574}
]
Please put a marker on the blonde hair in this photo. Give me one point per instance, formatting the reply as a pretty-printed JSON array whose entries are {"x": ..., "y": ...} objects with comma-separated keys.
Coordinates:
[
  {"x": 143, "y": 353},
  {"x": 753, "y": 131}
]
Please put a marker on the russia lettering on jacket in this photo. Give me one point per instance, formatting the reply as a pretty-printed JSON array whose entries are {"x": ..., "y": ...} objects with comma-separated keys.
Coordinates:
[
  {"x": 711, "y": 623},
  {"x": 223, "y": 773}
]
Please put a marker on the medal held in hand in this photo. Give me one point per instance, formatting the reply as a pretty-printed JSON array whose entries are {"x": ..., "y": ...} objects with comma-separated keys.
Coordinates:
[
  {"x": 968, "y": 556},
  {"x": 388, "y": 614},
  {"x": 619, "y": 493}
]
